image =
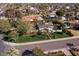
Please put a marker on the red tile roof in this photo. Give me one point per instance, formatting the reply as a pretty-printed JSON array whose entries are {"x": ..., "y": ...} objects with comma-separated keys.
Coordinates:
[{"x": 30, "y": 18}]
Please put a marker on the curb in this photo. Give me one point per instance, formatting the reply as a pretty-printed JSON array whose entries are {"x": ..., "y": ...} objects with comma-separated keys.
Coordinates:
[{"x": 37, "y": 42}]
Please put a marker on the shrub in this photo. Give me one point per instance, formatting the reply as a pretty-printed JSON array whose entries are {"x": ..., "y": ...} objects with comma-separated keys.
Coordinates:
[
  {"x": 24, "y": 27},
  {"x": 12, "y": 36},
  {"x": 13, "y": 52},
  {"x": 67, "y": 32},
  {"x": 38, "y": 51}
]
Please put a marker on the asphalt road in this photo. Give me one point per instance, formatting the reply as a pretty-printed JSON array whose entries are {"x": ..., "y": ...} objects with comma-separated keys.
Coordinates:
[
  {"x": 45, "y": 46},
  {"x": 50, "y": 45},
  {"x": 3, "y": 47}
]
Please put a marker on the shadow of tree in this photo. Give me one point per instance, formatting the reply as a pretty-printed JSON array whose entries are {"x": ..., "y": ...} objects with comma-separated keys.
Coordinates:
[{"x": 27, "y": 53}]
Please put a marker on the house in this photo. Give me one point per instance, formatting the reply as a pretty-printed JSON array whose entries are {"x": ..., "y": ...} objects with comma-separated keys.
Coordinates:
[
  {"x": 50, "y": 27},
  {"x": 46, "y": 26},
  {"x": 63, "y": 18},
  {"x": 77, "y": 13},
  {"x": 32, "y": 18},
  {"x": 74, "y": 24},
  {"x": 33, "y": 9},
  {"x": 66, "y": 25},
  {"x": 52, "y": 14},
  {"x": 67, "y": 7}
]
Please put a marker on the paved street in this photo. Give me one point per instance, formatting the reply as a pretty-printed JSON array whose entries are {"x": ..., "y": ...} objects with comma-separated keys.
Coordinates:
[
  {"x": 3, "y": 47},
  {"x": 46, "y": 46},
  {"x": 50, "y": 45}
]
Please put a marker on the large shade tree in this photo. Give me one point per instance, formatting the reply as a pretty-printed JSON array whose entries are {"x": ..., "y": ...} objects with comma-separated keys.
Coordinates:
[
  {"x": 24, "y": 27},
  {"x": 4, "y": 25},
  {"x": 60, "y": 13},
  {"x": 13, "y": 14}
]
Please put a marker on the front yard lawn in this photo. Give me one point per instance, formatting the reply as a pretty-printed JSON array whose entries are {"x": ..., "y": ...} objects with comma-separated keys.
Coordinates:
[
  {"x": 42, "y": 36},
  {"x": 56, "y": 35},
  {"x": 30, "y": 38}
]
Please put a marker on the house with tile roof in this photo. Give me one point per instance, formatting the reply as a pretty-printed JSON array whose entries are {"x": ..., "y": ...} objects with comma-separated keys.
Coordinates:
[{"x": 32, "y": 18}]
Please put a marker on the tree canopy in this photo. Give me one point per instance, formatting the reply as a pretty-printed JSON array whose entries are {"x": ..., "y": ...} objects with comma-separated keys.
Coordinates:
[
  {"x": 24, "y": 27},
  {"x": 5, "y": 25},
  {"x": 60, "y": 13}
]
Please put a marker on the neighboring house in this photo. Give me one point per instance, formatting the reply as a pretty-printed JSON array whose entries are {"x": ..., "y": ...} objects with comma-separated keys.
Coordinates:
[
  {"x": 57, "y": 28},
  {"x": 74, "y": 23},
  {"x": 66, "y": 25},
  {"x": 49, "y": 8},
  {"x": 52, "y": 14},
  {"x": 32, "y": 18},
  {"x": 63, "y": 18},
  {"x": 67, "y": 7},
  {"x": 33, "y": 9},
  {"x": 77, "y": 13},
  {"x": 77, "y": 16}
]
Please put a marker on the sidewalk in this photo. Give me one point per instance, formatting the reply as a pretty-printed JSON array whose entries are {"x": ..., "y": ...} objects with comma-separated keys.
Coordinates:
[
  {"x": 37, "y": 42},
  {"x": 66, "y": 52}
]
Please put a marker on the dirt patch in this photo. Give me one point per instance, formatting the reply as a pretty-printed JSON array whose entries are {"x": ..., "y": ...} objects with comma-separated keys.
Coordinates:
[{"x": 74, "y": 32}]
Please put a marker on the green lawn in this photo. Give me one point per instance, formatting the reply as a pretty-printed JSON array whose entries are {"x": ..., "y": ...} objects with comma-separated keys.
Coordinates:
[
  {"x": 31, "y": 38},
  {"x": 59, "y": 35},
  {"x": 26, "y": 38}
]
